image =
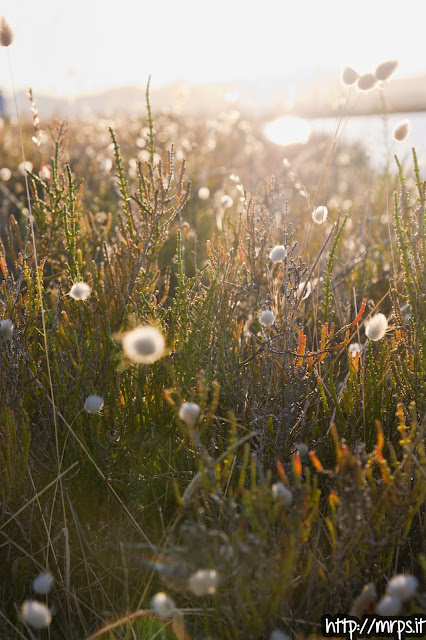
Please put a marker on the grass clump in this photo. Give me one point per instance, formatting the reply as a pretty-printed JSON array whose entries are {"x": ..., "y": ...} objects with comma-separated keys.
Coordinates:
[{"x": 217, "y": 435}]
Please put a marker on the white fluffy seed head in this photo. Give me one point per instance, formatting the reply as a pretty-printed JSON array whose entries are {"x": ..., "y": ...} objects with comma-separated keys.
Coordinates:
[
  {"x": 388, "y": 606},
  {"x": 5, "y": 174},
  {"x": 189, "y": 412},
  {"x": 279, "y": 635},
  {"x": 278, "y": 253},
  {"x": 204, "y": 193},
  {"x": 6, "y": 329},
  {"x": 375, "y": 328},
  {"x": 25, "y": 167},
  {"x": 402, "y": 130},
  {"x": 203, "y": 582},
  {"x": 43, "y": 583},
  {"x": 144, "y": 345},
  {"x": 93, "y": 404},
  {"x": 267, "y": 318},
  {"x": 349, "y": 76},
  {"x": 302, "y": 288},
  {"x": 302, "y": 449},
  {"x": 282, "y": 494},
  {"x": 353, "y": 349},
  {"x": 36, "y": 614},
  {"x": 80, "y": 291},
  {"x": 319, "y": 215},
  {"x": 402, "y": 587},
  {"x": 366, "y": 82},
  {"x": 45, "y": 172},
  {"x": 386, "y": 69},
  {"x": 226, "y": 201},
  {"x": 163, "y": 605},
  {"x": 7, "y": 34}
]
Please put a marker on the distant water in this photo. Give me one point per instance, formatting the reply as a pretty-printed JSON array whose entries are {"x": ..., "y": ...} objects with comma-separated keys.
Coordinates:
[{"x": 374, "y": 132}]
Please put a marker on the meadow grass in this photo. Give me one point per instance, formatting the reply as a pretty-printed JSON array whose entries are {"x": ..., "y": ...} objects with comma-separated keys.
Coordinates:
[{"x": 274, "y": 442}]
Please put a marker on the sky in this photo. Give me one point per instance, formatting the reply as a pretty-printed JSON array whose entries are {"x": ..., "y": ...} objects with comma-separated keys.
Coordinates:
[{"x": 67, "y": 47}]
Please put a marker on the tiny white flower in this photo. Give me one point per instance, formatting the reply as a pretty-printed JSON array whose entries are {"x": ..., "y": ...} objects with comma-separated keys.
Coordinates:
[
  {"x": 43, "y": 583},
  {"x": 163, "y": 605},
  {"x": 267, "y": 318},
  {"x": 6, "y": 329},
  {"x": 36, "y": 614},
  {"x": 366, "y": 82},
  {"x": 204, "y": 193},
  {"x": 278, "y": 254},
  {"x": 80, "y": 291},
  {"x": 349, "y": 76},
  {"x": 386, "y": 69},
  {"x": 145, "y": 344},
  {"x": 375, "y": 328},
  {"x": 319, "y": 215},
  {"x": 203, "y": 582},
  {"x": 189, "y": 412},
  {"x": 226, "y": 201},
  {"x": 279, "y": 635},
  {"x": 353, "y": 349},
  {"x": 388, "y": 606},
  {"x": 281, "y": 493},
  {"x": 5, "y": 174},
  {"x": 402, "y": 587},
  {"x": 402, "y": 130},
  {"x": 93, "y": 404}
]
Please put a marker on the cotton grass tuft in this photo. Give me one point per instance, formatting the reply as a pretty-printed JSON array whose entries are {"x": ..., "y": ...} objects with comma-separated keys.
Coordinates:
[
  {"x": 353, "y": 349},
  {"x": 6, "y": 330},
  {"x": 402, "y": 130},
  {"x": 319, "y": 215},
  {"x": 203, "y": 582},
  {"x": 366, "y": 82},
  {"x": 226, "y": 201},
  {"x": 388, "y": 606},
  {"x": 163, "y": 605},
  {"x": 80, "y": 291},
  {"x": 349, "y": 76},
  {"x": 301, "y": 288},
  {"x": 189, "y": 412},
  {"x": 204, "y": 193},
  {"x": 267, "y": 318},
  {"x": 36, "y": 614},
  {"x": 386, "y": 69},
  {"x": 376, "y": 327},
  {"x": 25, "y": 167},
  {"x": 279, "y": 635},
  {"x": 282, "y": 494},
  {"x": 93, "y": 404},
  {"x": 402, "y": 587},
  {"x": 144, "y": 344},
  {"x": 302, "y": 448},
  {"x": 278, "y": 253},
  {"x": 43, "y": 583},
  {"x": 7, "y": 34}
]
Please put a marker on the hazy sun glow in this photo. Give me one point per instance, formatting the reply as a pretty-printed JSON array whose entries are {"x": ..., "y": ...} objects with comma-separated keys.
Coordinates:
[{"x": 288, "y": 130}]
